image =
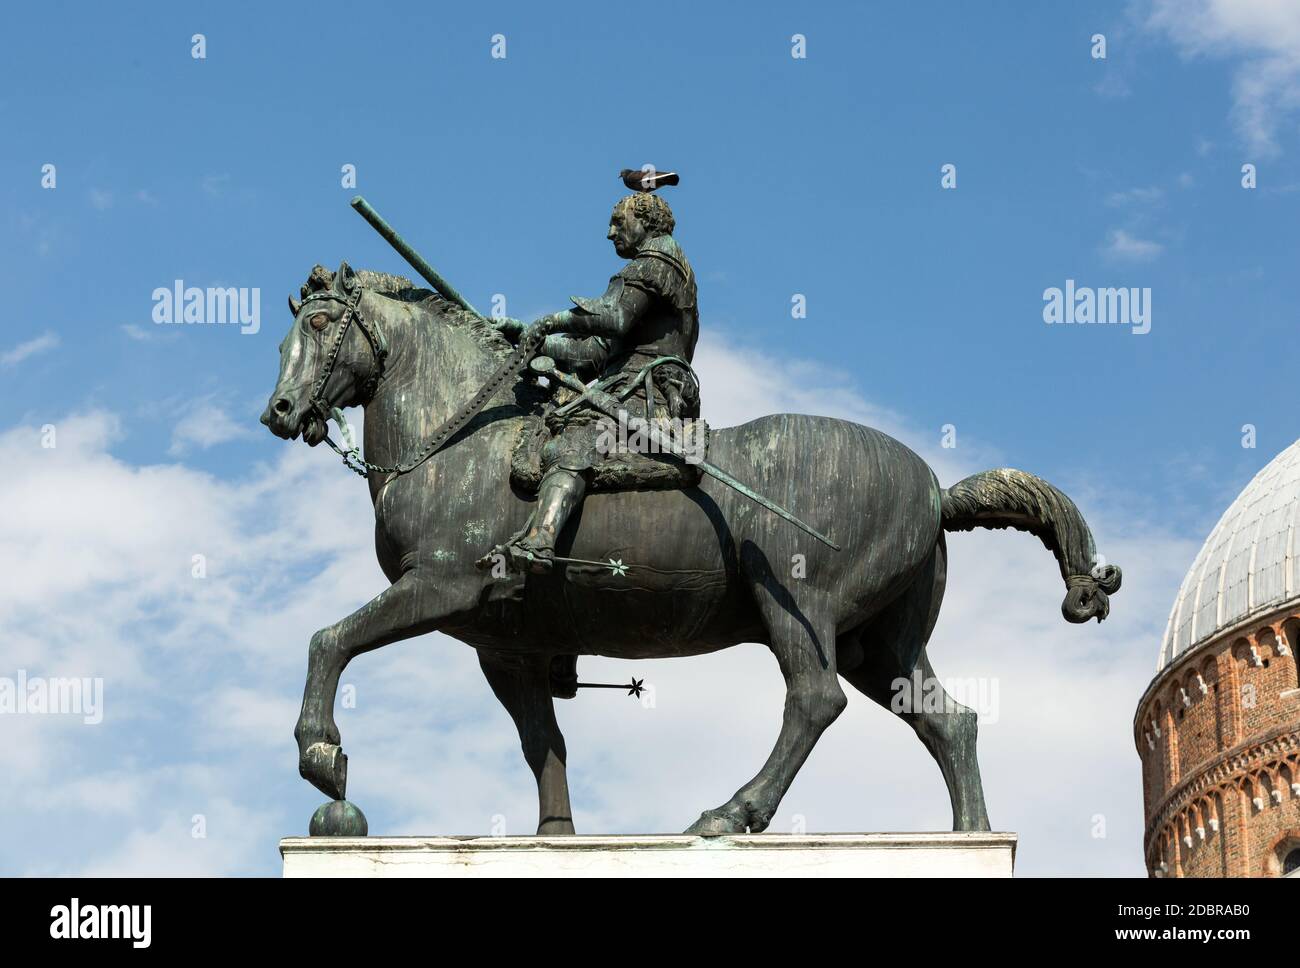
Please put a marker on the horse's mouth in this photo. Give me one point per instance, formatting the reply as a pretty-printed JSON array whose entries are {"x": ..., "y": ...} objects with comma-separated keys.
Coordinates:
[{"x": 313, "y": 430}]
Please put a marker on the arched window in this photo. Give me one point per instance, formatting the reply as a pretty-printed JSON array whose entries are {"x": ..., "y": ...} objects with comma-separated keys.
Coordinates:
[{"x": 1291, "y": 863}]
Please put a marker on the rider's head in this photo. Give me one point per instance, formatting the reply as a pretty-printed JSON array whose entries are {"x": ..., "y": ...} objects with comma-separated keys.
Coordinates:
[{"x": 637, "y": 218}]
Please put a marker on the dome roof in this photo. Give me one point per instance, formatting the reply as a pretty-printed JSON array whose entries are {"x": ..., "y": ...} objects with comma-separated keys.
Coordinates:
[{"x": 1249, "y": 563}]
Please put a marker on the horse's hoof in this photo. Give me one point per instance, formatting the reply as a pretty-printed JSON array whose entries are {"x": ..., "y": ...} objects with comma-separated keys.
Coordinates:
[
  {"x": 325, "y": 766},
  {"x": 714, "y": 823},
  {"x": 555, "y": 827},
  {"x": 338, "y": 818}
]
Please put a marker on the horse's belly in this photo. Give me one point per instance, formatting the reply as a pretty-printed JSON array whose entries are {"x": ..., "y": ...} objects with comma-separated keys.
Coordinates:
[{"x": 670, "y": 591}]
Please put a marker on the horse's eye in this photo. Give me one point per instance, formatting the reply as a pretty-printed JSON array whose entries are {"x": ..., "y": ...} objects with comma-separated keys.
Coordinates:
[{"x": 318, "y": 321}]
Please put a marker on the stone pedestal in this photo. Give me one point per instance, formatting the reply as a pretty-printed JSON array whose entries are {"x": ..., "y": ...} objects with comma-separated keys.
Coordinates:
[{"x": 655, "y": 855}]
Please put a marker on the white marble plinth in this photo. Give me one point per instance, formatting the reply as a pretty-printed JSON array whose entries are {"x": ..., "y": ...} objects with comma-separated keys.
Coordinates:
[{"x": 655, "y": 855}]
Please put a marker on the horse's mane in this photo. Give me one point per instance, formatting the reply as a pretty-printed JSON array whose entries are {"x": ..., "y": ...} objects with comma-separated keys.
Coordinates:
[{"x": 403, "y": 289}]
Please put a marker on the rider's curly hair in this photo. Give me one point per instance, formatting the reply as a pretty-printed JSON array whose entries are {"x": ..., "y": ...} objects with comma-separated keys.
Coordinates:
[{"x": 650, "y": 209}]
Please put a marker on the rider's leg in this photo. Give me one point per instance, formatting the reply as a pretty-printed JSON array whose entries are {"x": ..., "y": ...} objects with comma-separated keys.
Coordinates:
[
  {"x": 559, "y": 495},
  {"x": 567, "y": 460}
]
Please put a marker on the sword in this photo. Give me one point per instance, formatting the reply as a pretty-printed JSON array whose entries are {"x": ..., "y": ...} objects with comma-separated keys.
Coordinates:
[{"x": 610, "y": 406}]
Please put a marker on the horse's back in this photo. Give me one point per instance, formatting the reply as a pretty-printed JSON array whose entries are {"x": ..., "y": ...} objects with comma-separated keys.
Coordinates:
[
  {"x": 693, "y": 553},
  {"x": 829, "y": 472}
]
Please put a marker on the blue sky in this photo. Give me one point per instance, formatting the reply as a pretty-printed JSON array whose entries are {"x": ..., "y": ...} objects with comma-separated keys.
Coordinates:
[{"x": 818, "y": 176}]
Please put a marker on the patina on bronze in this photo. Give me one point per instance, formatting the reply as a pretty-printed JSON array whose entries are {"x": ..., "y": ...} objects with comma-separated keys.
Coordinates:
[{"x": 709, "y": 568}]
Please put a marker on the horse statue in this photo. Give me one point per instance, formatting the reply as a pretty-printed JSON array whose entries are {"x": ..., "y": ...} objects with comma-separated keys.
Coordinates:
[{"x": 710, "y": 569}]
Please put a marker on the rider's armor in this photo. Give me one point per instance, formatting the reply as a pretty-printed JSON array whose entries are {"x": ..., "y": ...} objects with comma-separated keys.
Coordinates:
[
  {"x": 642, "y": 331},
  {"x": 638, "y": 339}
]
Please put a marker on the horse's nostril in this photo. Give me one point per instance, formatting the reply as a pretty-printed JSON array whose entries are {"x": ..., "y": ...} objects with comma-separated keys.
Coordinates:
[{"x": 283, "y": 406}]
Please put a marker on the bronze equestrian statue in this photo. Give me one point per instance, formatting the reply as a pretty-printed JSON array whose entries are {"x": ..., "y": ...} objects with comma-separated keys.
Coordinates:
[{"x": 706, "y": 566}]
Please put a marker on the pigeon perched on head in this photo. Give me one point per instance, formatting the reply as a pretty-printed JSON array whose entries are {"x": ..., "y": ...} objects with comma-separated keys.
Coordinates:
[{"x": 642, "y": 180}]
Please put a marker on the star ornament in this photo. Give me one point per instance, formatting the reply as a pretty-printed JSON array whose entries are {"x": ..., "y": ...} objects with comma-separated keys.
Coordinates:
[
  {"x": 638, "y": 685},
  {"x": 617, "y": 568}
]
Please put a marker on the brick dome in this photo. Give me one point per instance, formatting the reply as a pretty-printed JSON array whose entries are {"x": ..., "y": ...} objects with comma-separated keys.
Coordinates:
[{"x": 1218, "y": 729}]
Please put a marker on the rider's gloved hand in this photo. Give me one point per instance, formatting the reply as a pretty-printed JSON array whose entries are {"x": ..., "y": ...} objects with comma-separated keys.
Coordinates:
[
  {"x": 509, "y": 327},
  {"x": 541, "y": 328}
]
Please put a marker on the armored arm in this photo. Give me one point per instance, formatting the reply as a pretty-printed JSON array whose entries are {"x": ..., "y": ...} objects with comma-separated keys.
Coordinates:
[
  {"x": 612, "y": 316},
  {"x": 585, "y": 356}
]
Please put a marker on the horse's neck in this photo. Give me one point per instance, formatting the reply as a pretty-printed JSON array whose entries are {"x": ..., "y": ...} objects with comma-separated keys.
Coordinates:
[{"x": 433, "y": 369}]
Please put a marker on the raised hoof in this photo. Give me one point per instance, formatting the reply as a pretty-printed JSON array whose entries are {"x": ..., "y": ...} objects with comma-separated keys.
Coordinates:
[
  {"x": 713, "y": 823},
  {"x": 325, "y": 766},
  {"x": 338, "y": 818}
]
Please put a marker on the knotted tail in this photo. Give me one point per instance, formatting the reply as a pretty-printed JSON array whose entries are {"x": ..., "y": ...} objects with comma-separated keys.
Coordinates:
[{"x": 1007, "y": 498}]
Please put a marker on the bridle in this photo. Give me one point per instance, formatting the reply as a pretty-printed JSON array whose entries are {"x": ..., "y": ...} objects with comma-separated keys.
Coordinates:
[
  {"x": 318, "y": 405},
  {"x": 374, "y": 336}
]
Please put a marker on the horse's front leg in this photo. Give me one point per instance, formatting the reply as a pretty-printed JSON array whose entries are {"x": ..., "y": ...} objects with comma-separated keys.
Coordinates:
[{"x": 408, "y": 607}]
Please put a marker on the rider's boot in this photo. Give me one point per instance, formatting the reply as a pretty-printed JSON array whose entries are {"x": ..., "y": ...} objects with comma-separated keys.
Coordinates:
[
  {"x": 533, "y": 550},
  {"x": 560, "y": 493}
]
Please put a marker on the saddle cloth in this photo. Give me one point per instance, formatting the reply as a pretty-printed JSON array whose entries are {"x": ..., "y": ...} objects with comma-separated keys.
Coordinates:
[{"x": 619, "y": 469}]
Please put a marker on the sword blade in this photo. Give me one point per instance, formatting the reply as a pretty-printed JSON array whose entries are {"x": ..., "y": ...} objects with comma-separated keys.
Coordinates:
[{"x": 718, "y": 474}]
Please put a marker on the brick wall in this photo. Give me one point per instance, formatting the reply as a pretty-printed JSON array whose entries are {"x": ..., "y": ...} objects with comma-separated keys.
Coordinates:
[{"x": 1218, "y": 733}]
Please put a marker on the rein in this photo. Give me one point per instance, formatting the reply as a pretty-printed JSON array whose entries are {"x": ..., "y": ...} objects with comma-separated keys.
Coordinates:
[{"x": 352, "y": 459}]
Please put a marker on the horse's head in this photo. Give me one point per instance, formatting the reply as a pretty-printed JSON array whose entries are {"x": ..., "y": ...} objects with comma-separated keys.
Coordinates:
[{"x": 333, "y": 356}]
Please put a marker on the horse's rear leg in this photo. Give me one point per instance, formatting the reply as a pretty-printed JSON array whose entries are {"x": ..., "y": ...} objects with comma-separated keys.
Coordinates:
[
  {"x": 396, "y": 613},
  {"x": 523, "y": 685},
  {"x": 880, "y": 660},
  {"x": 802, "y": 637}
]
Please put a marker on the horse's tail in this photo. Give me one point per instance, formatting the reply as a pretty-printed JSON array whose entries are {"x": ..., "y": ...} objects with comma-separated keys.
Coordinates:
[{"x": 1007, "y": 498}]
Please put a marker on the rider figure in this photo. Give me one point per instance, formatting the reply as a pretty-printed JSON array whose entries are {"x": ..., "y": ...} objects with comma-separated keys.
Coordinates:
[{"x": 638, "y": 338}]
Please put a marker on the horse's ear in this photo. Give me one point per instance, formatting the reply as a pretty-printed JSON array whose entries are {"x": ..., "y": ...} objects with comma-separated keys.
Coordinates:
[
  {"x": 294, "y": 306},
  {"x": 345, "y": 280}
]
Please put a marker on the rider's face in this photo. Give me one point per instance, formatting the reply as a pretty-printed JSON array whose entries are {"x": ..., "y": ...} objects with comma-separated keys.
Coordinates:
[{"x": 626, "y": 231}]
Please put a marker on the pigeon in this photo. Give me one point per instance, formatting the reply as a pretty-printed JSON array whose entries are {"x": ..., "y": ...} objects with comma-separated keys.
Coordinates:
[{"x": 641, "y": 180}]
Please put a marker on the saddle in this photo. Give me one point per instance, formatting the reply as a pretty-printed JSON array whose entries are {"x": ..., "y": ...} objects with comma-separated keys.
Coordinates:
[{"x": 620, "y": 469}]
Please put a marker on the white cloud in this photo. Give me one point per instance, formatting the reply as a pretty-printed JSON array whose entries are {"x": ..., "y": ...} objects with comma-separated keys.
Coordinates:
[
  {"x": 46, "y": 341},
  {"x": 1124, "y": 247},
  {"x": 203, "y": 676},
  {"x": 135, "y": 332},
  {"x": 205, "y": 425},
  {"x": 215, "y": 185},
  {"x": 1263, "y": 36},
  {"x": 1112, "y": 85},
  {"x": 1135, "y": 196}
]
